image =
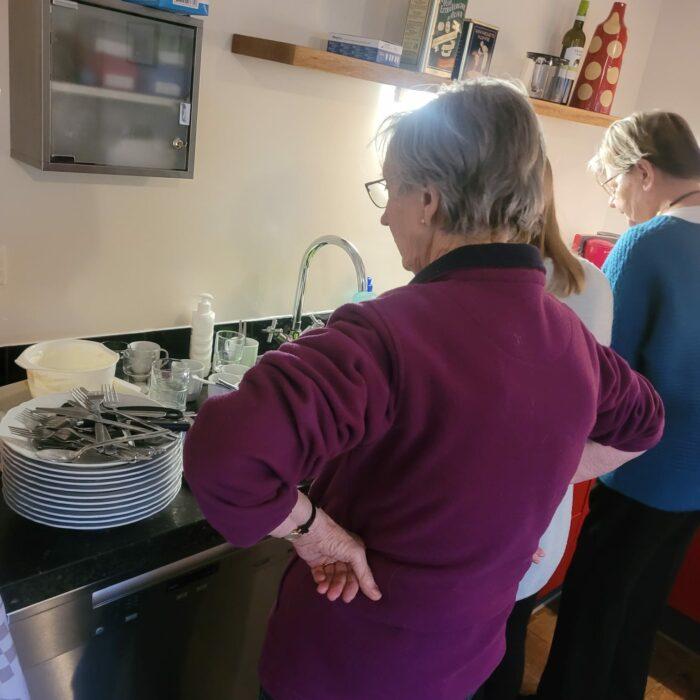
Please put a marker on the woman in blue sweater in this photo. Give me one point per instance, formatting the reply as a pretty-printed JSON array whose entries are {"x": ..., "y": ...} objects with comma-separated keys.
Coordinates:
[{"x": 644, "y": 515}]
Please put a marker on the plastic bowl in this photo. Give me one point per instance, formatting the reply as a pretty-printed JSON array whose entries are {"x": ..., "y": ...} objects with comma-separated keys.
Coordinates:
[{"x": 60, "y": 365}]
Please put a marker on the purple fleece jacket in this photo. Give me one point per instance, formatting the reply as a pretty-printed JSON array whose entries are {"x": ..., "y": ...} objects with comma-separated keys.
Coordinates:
[{"x": 442, "y": 422}]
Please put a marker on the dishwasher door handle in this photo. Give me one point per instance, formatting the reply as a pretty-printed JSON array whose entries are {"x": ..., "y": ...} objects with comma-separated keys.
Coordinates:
[{"x": 109, "y": 594}]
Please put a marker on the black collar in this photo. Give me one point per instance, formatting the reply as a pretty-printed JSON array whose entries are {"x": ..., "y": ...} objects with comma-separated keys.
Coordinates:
[{"x": 487, "y": 255}]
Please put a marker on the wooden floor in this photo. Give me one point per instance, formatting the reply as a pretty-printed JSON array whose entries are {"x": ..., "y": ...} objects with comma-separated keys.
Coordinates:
[{"x": 675, "y": 672}]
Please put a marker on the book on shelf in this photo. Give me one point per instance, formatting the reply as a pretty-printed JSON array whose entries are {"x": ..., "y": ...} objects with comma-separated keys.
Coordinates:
[
  {"x": 415, "y": 32},
  {"x": 443, "y": 34},
  {"x": 475, "y": 51}
]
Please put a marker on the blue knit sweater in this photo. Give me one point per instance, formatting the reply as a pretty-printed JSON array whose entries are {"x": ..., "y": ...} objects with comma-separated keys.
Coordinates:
[{"x": 654, "y": 271}]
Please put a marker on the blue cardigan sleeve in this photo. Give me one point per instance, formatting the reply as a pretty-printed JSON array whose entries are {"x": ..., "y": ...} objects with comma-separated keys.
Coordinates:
[{"x": 631, "y": 272}]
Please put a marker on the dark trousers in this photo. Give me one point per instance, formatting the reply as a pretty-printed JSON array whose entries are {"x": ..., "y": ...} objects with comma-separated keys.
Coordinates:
[
  {"x": 504, "y": 683},
  {"x": 625, "y": 564}
]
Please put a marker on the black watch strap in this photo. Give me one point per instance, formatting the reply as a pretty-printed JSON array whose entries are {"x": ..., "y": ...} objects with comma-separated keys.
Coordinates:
[{"x": 303, "y": 529}]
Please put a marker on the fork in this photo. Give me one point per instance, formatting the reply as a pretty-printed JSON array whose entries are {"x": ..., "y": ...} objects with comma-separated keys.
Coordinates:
[
  {"x": 111, "y": 402},
  {"x": 34, "y": 420},
  {"x": 73, "y": 455},
  {"x": 62, "y": 434},
  {"x": 110, "y": 395}
]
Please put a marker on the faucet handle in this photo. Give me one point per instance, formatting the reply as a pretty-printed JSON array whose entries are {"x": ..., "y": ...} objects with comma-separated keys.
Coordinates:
[
  {"x": 277, "y": 334},
  {"x": 315, "y": 323},
  {"x": 271, "y": 330}
]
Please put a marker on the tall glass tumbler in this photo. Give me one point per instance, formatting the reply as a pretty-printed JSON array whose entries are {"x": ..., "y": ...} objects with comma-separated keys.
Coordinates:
[
  {"x": 228, "y": 349},
  {"x": 169, "y": 383}
]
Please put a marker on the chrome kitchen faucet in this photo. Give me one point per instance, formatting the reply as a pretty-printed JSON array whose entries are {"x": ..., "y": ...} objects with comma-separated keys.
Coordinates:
[{"x": 274, "y": 333}]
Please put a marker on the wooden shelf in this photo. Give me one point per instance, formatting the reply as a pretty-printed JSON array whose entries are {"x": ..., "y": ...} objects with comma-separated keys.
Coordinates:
[
  {"x": 572, "y": 114},
  {"x": 305, "y": 57}
]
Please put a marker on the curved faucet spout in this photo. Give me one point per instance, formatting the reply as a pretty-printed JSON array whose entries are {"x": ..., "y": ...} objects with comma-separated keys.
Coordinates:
[{"x": 319, "y": 243}]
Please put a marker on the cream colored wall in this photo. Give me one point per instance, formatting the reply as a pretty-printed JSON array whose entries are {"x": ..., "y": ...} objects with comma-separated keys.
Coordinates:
[
  {"x": 671, "y": 80},
  {"x": 282, "y": 154}
]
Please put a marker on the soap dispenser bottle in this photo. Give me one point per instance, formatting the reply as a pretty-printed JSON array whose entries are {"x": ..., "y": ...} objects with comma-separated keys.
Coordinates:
[
  {"x": 202, "y": 338},
  {"x": 367, "y": 295}
]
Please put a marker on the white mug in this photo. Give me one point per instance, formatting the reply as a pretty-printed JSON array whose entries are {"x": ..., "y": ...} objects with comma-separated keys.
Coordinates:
[{"x": 140, "y": 356}]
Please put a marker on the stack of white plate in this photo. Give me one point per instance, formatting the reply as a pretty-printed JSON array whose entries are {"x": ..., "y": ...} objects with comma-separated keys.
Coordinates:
[{"x": 93, "y": 495}]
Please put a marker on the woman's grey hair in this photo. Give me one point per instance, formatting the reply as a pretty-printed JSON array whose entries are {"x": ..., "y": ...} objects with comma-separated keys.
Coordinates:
[
  {"x": 664, "y": 139},
  {"x": 480, "y": 145}
]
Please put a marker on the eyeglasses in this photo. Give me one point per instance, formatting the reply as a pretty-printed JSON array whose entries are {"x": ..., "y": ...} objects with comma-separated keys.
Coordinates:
[
  {"x": 610, "y": 185},
  {"x": 378, "y": 192}
]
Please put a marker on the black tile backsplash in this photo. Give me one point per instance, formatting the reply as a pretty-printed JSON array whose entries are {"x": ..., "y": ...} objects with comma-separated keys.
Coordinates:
[{"x": 175, "y": 340}]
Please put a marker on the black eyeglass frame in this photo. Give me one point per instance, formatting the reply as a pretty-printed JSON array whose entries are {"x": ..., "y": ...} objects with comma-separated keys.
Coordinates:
[
  {"x": 610, "y": 192},
  {"x": 368, "y": 186}
]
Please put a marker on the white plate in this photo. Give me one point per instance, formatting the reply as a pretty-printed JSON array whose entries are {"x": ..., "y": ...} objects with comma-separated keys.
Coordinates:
[
  {"x": 102, "y": 525},
  {"x": 51, "y": 485},
  {"x": 82, "y": 510},
  {"x": 21, "y": 447},
  {"x": 95, "y": 495},
  {"x": 113, "y": 507},
  {"x": 97, "y": 518},
  {"x": 19, "y": 485},
  {"x": 91, "y": 519},
  {"x": 75, "y": 471}
]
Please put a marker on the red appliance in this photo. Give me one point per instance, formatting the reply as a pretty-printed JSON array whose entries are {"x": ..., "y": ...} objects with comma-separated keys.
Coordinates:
[
  {"x": 594, "y": 248},
  {"x": 685, "y": 596}
]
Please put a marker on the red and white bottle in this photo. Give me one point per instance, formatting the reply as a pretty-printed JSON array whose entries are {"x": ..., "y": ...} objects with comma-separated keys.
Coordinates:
[{"x": 600, "y": 73}]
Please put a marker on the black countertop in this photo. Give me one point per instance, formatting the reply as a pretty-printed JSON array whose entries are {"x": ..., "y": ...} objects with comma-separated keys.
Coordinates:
[{"x": 38, "y": 562}]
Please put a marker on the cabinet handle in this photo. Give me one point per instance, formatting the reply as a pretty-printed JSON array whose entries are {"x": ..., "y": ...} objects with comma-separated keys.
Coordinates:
[{"x": 179, "y": 144}]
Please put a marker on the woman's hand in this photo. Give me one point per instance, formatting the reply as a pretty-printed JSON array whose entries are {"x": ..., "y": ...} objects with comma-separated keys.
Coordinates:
[
  {"x": 337, "y": 559},
  {"x": 538, "y": 556}
]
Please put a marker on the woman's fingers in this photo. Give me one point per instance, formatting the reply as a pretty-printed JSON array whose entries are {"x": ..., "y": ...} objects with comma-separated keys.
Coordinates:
[
  {"x": 318, "y": 574},
  {"x": 324, "y": 584},
  {"x": 364, "y": 576},
  {"x": 352, "y": 587},
  {"x": 340, "y": 577},
  {"x": 336, "y": 581}
]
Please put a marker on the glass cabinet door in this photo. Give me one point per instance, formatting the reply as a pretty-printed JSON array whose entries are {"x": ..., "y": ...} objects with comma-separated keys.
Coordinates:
[{"x": 121, "y": 88}]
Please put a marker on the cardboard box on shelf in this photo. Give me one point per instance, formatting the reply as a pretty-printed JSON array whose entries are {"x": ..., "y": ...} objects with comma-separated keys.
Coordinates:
[
  {"x": 184, "y": 7},
  {"x": 374, "y": 50}
]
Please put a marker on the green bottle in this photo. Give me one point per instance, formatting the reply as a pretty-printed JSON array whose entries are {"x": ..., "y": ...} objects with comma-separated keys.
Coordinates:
[
  {"x": 575, "y": 37},
  {"x": 572, "y": 51}
]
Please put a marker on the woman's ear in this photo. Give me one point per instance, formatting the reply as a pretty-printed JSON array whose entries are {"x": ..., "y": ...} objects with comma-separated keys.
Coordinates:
[
  {"x": 647, "y": 174},
  {"x": 431, "y": 204}
]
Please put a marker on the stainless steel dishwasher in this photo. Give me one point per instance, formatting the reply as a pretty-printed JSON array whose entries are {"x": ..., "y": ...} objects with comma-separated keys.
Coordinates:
[{"x": 191, "y": 630}]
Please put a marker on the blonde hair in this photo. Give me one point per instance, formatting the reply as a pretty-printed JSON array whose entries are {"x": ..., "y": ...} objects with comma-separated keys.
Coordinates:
[
  {"x": 479, "y": 144},
  {"x": 568, "y": 276},
  {"x": 663, "y": 138}
]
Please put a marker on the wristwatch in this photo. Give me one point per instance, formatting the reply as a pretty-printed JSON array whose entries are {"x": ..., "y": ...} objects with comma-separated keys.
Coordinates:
[{"x": 302, "y": 529}]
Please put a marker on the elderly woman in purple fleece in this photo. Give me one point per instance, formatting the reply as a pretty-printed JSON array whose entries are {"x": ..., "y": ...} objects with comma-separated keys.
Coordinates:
[{"x": 440, "y": 423}]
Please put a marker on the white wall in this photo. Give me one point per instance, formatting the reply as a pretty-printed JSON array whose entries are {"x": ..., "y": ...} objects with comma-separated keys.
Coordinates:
[
  {"x": 282, "y": 154},
  {"x": 672, "y": 78}
]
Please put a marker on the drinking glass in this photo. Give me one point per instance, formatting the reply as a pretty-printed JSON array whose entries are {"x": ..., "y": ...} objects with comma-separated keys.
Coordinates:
[
  {"x": 250, "y": 352},
  {"x": 228, "y": 349},
  {"x": 169, "y": 383},
  {"x": 196, "y": 375}
]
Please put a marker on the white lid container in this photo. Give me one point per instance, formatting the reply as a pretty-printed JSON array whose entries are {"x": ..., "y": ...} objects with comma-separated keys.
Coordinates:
[{"x": 60, "y": 365}]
